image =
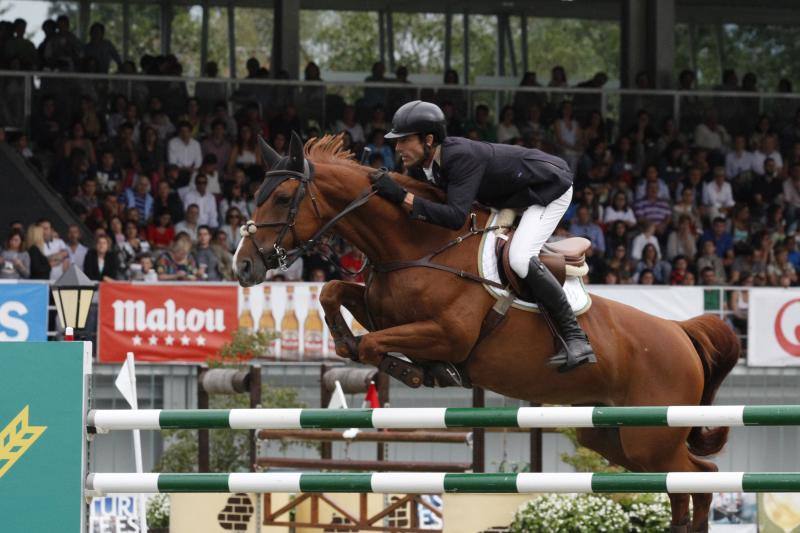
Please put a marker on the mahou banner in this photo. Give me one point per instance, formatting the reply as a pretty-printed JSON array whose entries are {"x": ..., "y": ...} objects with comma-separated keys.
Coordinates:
[
  {"x": 165, "y": 322},
  {"x": 773, "y": 330}
]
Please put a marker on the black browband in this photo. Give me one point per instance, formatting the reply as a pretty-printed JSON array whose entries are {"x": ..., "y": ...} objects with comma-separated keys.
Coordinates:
[{"x": 287, "y": 258}]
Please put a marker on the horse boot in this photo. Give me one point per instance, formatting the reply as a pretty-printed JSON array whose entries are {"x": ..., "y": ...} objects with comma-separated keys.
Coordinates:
[
  {"x": 442, "y": 374},
  {"x": 409, "y": 373},
  {"x": 575, "y": 349}
]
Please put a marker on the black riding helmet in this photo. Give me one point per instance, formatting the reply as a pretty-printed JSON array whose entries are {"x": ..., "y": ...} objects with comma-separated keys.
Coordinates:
[{"x": 418, "y": 117}]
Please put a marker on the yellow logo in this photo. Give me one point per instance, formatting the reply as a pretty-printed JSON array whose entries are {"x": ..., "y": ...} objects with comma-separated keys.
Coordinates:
[{"x": 16, "y": 438}]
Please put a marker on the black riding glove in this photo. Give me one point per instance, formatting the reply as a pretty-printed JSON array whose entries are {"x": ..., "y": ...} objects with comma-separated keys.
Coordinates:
[{"x": 386, "y": 187}]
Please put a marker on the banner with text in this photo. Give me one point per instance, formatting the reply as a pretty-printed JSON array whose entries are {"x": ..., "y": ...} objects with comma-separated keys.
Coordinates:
[
  {"x": 773, "y": 329},
  {"x": 164, "y": 322},
  {"x": 23, "y": 311}
]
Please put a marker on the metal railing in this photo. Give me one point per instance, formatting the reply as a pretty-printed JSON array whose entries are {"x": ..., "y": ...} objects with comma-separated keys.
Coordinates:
[{"x": 736, "y": 110}]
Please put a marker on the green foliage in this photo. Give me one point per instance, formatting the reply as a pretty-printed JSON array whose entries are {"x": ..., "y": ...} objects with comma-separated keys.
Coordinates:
[
  {"x": 339, "y": 40},
  {"x": 639, "y": 513},
  {"x": 584, "y": 459},
  {"x": 648, "y": 513},
  {"x": 243, "y": 346},
  {"x": 567, "y": 513},
  {"x": 157, "y": 512},
  {"x": 229, "y": 449}
]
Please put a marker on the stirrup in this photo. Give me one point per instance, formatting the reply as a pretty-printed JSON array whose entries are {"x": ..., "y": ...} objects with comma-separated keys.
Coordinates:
[{"x": 568, "y": 362}]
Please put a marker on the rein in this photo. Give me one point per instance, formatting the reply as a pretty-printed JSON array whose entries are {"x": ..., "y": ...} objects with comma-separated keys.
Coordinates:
[{"x": 287, "y": 257}]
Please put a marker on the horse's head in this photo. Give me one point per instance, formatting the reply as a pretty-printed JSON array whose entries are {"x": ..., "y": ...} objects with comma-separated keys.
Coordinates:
[{"x": 285, "y": 216}]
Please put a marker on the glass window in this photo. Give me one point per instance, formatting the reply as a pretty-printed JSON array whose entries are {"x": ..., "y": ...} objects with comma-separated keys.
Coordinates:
[
  {"x": 218, "y": 49},
  {"x": 419, "y": 42},
  {"x": 145, "y": 31},
  {"x": 339, "y": 40},
  {"x": 187, "y": 22},
  {"x": 110, "y": 16},
  {"x": 253, "y": 38}
]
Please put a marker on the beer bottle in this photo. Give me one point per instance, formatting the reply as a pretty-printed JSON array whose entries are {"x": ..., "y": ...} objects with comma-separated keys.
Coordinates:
[
  {"x": 266, "y": 324},
  {"x": 246, "y": 321},
  {"x": 290, "y": 329},
  {"x": 312, "y": 329}
]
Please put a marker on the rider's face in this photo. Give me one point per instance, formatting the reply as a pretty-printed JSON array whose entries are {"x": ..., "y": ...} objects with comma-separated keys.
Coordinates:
[{"x": 411, "y": 150}]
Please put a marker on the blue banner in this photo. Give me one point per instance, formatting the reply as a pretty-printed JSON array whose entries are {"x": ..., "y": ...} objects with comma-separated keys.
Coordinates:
[{"x": 23, "y": 311}]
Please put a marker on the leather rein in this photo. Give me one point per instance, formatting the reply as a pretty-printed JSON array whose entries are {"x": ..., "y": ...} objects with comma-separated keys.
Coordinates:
[{"x": 286, "y": 258}]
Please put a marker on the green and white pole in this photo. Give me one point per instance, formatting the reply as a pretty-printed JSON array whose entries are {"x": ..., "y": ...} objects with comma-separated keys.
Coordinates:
[
  {"x": 434, "y": 483},
  {"x": 439, "y": 418}
]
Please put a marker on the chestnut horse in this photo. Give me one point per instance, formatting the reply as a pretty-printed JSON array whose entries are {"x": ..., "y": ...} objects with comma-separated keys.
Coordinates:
[{"x": 431, "y": 315}]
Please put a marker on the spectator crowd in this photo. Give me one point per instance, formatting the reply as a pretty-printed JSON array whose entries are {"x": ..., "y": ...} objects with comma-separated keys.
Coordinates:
[{"x": 164, "y": 179}]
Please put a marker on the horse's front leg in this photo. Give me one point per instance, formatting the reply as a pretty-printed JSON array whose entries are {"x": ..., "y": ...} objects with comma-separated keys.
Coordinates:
[
  {"x": 333, "y": 296},
  {"x": 426, "y": 340}
]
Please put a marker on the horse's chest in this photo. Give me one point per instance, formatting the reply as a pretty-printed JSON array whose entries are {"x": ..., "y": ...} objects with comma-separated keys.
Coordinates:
[{"x": 401, "y": 301}]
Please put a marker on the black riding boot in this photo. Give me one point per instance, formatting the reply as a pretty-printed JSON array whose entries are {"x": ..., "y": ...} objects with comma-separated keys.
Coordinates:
[{"x": 575, "y": 350}]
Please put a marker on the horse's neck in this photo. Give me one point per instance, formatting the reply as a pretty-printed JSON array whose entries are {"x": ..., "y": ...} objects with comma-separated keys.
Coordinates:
[{"x": 384, "y": 232}]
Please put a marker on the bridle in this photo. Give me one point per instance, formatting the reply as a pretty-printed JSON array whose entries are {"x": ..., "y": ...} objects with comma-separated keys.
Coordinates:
[{"x": 287, "y": 257}]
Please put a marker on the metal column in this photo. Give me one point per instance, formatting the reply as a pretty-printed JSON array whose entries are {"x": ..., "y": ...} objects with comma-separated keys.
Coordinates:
[
  {"x": 523, "y": 26},
  {"x": 231, "y": 40},
  {"x": 465, "y": 43},
  {"x": 448, "y": 39},
  {"x": 126, "y": 29},
  {"x": 390, "y": 39},
  {"x": 204, "y": 38},
  {"x": 382, "y": 35}
]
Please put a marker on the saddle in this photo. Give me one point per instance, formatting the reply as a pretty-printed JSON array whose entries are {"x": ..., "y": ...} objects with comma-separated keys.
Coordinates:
[{"x": 563, "y": 257}]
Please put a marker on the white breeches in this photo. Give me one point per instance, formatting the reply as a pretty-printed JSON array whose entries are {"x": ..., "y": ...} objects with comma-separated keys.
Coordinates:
[{"x": 537, "y": 225}]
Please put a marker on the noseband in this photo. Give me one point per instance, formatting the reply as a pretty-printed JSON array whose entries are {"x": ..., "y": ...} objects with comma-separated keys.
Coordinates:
[{"x": 287, "y": 257}]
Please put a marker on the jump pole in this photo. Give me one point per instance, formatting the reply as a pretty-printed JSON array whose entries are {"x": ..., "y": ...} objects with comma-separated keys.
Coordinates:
[
  {"x": 434, "y": 483},
  {"x": 441, "y": 418}
]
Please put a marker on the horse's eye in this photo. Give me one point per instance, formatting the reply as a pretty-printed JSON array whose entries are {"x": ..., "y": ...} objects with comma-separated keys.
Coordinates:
[{"x": 283, "y": 200}]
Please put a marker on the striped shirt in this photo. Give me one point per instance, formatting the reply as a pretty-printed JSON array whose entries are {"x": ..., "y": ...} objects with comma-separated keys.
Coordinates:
[{"x": 655, "y": 211}]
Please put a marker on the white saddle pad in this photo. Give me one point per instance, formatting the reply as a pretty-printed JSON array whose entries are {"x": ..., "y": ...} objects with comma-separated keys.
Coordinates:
[{"x": 576, "y": 293}]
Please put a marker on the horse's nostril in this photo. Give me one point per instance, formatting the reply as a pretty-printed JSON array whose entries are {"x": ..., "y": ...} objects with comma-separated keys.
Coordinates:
[{"x": 245, "y": 268}]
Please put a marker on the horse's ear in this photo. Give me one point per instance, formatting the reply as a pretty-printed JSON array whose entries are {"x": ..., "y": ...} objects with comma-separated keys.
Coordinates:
[
  {"x": 268, "y": 155},
  {"x": 296, "y": 158}
]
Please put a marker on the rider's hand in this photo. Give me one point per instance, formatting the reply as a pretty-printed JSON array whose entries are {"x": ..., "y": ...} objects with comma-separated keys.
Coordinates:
[{"x": 386, "y": 187}]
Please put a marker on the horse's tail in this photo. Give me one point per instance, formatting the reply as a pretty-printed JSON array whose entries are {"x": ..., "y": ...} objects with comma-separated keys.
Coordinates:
[{"x": 719, "y": 350}]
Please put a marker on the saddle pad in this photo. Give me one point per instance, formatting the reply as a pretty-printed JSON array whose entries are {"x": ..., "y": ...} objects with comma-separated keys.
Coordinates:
[{"x": 576, "y": 292}]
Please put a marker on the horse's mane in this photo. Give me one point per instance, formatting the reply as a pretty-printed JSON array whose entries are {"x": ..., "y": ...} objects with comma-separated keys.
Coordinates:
[{"x": 328, "y": 149}]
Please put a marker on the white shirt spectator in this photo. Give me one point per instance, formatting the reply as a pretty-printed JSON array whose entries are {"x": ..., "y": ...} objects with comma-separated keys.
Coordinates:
[
  {"x": 735, "y": 163},
  {"x": 53, "y": 247},
  {"x": 717, "y": 196},
  {"x": 638, "y": 244},
  {"x": 717, "y": 139},
  {"x": 189, "y": 229},
  {"x": 77, "y": 256},
  {"x": 791, "y": 193},
  {"x": 611, "y": 215},
  {"x": 207, "y": 204},
  {"x": 184, "y": 154},
  {"x": 758, "y": 161}
]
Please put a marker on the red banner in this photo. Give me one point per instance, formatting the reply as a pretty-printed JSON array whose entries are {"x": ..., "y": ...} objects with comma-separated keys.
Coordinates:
[{"x": 165, "y": 322}]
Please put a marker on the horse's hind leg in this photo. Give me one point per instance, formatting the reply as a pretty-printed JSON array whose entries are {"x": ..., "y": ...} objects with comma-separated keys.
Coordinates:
[
  {"x": 701, "y": 502},
  {"x": 665, "y": 450}
]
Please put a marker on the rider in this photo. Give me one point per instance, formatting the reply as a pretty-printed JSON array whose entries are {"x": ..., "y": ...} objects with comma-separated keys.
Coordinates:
[{"x": 496, "y": 175}]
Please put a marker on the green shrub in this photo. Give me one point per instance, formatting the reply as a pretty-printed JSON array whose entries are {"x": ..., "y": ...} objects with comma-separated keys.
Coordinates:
[{"x": 568, "y": 513}]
